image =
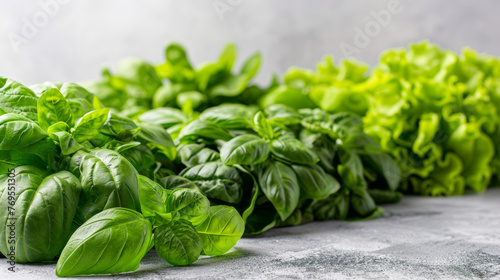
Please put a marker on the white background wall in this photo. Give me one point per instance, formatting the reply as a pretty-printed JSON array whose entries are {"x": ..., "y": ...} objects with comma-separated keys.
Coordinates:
[{"x": 78, "y": 37}]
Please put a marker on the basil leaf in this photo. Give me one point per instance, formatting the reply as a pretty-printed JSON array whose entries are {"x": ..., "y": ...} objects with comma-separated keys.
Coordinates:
[
  {"x": 202, "y": 129},
  {"x": 59, "y": 133},
  {"x": 108, "y": 180},
  {"x": 53, "y": 108},
  {"x": 335, "y": 207},
  {"x": 12, "y": 159},
  {"x": 221, "y": 231},
  {"x": 44, "y": 208},
  {"x": 279, "y": 183},
  {"x": 293, "y": 150},
  {"x": 283, "y": 114},
  {"x": 251, "y": 66},
  {"x": 164, "y": 117},
  {"x": 262, "y": 126},
  {"x": 190, "y": 204},
  {"x": 229, "y": 116},
  {"x": 16, "y": 98},
  {"x": 174, "y": 182},
  {"x": 194, "y": 154},
  {"x": 227, "y": 57},
  {"x": 314, "y": 182},
  {"x": 217, "y": 181},
  {"x": 245, "y": 150},
  {"x": 157, "y": 137},
  {"x": 90, "y": 124},
  {"x": 112, "y": 241},
  {"x": 178, "y": 243},
  {"x": 140, "y": 156},
  {"x": 152, "y": 197},
  {"x": 25, "y": 136}
]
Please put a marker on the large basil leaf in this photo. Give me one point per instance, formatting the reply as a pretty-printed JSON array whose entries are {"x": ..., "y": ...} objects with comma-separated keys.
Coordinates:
[
  {"x": 112, "y": 241},
  {"x": 314, "y": 182},
  {"x": 16, "y": 98},
  {"x": 190, "y": 204},
  {"x": 24, "y": 135},
  {"x": 174, "y": 182},
  {"x": 44, "y": 208},
  {"x": 108, "y": 180},
  {"x": 78, "y": 98},
  {"x": 229, "y": 116},
  {"x": 90, "y": 124},
  {"x": 217, "y": 181},
  {"x": 221, "y": 231},
  {"x": 279, "y": 184},
  {"x": 323, "y": 146},
  {"x": 157, "y": 137},
  {"x": 203, "y": 129},
  {"x": 119, "y": 127},
  {"x": 293, "y": 150},
  {"x": 283, "y": 114},
  {"x": 152, "y": 196},
  {"x": 164, "y": 117},
  {"x": 12, "y": 159},
  {"x": 178, "y": 243},
  {"x": 140, "y": 156},
  {"x": 53, "y": 108},
  {"x": 245, "y": 149},
  {"x": 231, "y": 86},
  {"x": 194, "y": 154}
]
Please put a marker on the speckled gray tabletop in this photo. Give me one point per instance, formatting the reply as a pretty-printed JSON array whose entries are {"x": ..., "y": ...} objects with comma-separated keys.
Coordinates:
[{"x": 419, "y": 238}]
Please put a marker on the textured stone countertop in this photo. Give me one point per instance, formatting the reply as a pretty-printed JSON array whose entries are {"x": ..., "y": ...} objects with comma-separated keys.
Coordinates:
[{"x": 419, "y": 238}]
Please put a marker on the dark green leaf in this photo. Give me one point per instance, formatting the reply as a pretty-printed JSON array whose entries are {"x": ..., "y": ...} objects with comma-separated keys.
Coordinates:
[
  {"x": 217, "y": 181},
  {"x": 194, "y": 154},
  {"x": 314, "y": 182},
  {"x": 293, "y": 150},
  {"x": 279, "y": 183}
]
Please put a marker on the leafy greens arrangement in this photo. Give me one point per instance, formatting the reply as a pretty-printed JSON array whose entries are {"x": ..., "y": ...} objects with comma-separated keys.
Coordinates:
[
  {"x": 435, "y": 111},
  {"x": 187, "y": 159}
]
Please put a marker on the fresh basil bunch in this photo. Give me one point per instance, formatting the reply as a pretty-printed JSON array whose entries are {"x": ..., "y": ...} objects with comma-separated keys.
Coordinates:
[
  {"x": 287, "y": 167},
  {"x": 82, "y": 179}
]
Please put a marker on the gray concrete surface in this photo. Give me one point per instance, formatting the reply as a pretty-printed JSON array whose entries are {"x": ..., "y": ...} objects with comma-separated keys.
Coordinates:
[
  {"x": 78, "y": 37},
  {"x": 419, "y": 238}
]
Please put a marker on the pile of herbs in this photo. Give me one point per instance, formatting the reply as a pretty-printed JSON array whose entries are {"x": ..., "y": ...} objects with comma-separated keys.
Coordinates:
[{"x": 187, "y": 159}]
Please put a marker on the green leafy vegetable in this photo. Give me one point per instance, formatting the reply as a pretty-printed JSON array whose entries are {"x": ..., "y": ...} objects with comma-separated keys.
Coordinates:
[
  {"x": 93, "y": 248},
  {"x": 221, "y": 231},
  {"x": 40, "y": 215},
  {"x": 178, "y": 243}
]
